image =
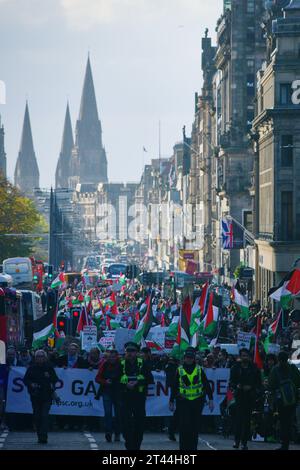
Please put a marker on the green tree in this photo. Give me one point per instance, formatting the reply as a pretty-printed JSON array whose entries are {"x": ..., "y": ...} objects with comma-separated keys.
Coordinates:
[{"x": 18, "y": 215}]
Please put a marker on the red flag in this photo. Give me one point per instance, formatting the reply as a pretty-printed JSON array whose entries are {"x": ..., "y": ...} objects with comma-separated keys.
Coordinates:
[
  {"x": 203, "y": 299},
  {"x": 137, "y": 319},
  {"x": 108, "y": 327},
  {"x": 257, "y": 359},
  {"x": 83, "y": 320},
  {"x": 114, "y": 308}
]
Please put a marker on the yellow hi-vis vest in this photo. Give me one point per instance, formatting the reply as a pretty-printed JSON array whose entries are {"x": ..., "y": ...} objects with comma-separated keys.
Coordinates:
[
  {"x": 125, "y": 379},
  {"x": 193, "y": 390}
]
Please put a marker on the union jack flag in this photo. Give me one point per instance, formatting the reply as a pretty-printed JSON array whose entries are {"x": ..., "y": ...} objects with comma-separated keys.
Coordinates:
[{"x": 227, "y": 234}]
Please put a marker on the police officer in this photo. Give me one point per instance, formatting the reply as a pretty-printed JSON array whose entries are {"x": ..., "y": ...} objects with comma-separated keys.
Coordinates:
[
  {"x": 133, "y": 387},
  {"x": 189, "y": 390}
]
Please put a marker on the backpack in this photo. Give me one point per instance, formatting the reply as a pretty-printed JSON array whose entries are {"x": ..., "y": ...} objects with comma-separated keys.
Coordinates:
[{"x": 287, "y": 392}]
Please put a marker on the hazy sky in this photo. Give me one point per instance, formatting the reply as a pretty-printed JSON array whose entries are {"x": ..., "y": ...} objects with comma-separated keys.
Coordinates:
[{"x": 146, "y": 62}]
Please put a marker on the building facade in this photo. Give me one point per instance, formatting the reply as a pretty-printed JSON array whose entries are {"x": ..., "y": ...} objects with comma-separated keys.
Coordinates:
[{"x": 276, "y": 131}]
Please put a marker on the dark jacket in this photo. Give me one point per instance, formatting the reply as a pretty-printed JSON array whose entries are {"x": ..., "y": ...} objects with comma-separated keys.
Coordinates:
[
  {"x": 245, "y": 376},
  {"x": 46, "y": 378},
  {"x": 207, "y": 391},
  {"x": 170, "y": 370},
  {"x": 108, "y": 371},
  {"x": 279, "y": 374}
]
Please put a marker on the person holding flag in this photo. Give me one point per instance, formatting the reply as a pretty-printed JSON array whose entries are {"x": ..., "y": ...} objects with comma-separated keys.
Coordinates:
[{"x": 189, "y": 390}]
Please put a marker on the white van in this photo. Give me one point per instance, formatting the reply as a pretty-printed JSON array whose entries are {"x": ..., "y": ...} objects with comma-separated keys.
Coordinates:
[{"x": 20, "y": 269}]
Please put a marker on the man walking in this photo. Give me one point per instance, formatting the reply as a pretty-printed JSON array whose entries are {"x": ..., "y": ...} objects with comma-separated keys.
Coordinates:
[
  {"x": 284, "y": 381},
  {"x": 133, "y": 387},
  {"x": 108, "y": 377},
  {"x": 189, "y": 390},
  {"x": 40, "y": 379},
  {"x": 245, "y": 381}
]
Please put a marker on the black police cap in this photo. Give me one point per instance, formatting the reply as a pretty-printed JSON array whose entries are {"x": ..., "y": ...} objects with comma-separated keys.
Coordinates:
[
  {"x": 131, "y": 345},
  {"x": 190, "y": 352}
]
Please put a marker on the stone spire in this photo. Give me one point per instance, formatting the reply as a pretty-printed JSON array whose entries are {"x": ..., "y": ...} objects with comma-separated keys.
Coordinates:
[
  {"x": 88, "y": 106},
  {"x": 89, "y": 163},
  {"x": 63, "y": 169},
  {"x": 27, "y": 172},
  {"x": 2, "y": 151}
]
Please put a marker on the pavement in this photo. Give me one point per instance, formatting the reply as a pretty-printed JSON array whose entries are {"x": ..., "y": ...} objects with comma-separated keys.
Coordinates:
[{"x": 86, "y": 440}]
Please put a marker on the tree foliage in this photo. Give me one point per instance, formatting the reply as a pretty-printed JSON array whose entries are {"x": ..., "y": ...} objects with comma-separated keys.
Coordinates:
[{"x": 18, "y": 215}]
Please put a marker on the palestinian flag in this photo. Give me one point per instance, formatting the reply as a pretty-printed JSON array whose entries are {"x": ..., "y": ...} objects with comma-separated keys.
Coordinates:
[
  {"x": 183, "y": 334},
  {"x": 204, "y": 299},
  {"x": 257, "y": 359},
  {"x": 136, "y": 319},
  {"x": 122, "y": 280},
  {"x": 287, "y": 289},
  {"x": 145, "y": 323},
  {"x": 202, "y": 343},
  {"x": 43, "y": 328},
  {"x": 173, "y": 327},
  {"x": 273, "y": 328},
  {"x": 114, "y": 308},
  {"x": 153, "y": 345},
  {"x": 195, "y": 318},
  {"x": 83, "y": 320},
  {"x": 98, "y": 317},
  {"x": 241, "y": 302},
  {"x": 212, "y": 316},
  {"x": 58, "y": 281},
  {"x": 115, "y": 323}
]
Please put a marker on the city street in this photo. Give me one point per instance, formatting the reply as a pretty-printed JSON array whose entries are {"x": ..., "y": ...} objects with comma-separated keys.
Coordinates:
[{"x": 96, "y": 441}]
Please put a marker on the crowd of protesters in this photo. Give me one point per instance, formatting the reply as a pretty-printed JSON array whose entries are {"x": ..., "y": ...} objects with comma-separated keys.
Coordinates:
[{"x": 250, "y": 408}]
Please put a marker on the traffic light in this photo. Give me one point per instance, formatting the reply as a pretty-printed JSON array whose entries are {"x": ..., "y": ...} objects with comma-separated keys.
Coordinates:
[
  {"x": 75, "y": 315},
  {"x": 50, "y": 272},
  {"x": 35, "y": 279},
  {"x": 62, "y": 324}
]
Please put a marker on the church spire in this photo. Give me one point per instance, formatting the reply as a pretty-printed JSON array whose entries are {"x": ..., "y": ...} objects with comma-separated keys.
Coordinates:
[
  {"x": 2, "y": 151},
  {"x": 89, "y": 163},
  {"x": 26, "y": 172},
  {"x": 88, "y": 106},
  {"x": 63, "y": 169},
  {"x": 26, "y": 146}
]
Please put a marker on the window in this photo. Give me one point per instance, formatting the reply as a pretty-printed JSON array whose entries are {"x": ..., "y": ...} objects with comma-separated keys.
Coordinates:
[
  {"x": 227, "y": 5},
  {"x": 250, "y": 35},
  {"x": 287, "y": 150},
  {"x": 250, "y": 84},
  {"x": 250, "y": 6},
  {"x": 248, "y": 221},
  {"x": 285, "y": 93},
  {"x": 286, "y": 215}
]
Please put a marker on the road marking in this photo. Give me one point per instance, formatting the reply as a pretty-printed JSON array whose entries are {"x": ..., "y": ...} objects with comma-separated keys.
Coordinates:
[
  {"x": 92, "y": 441},
  {"x": 208, "y": 444},
  {"x": 3, "y": 438}
]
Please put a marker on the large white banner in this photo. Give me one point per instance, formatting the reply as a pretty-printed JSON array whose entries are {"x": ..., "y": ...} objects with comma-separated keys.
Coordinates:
[{"x": 77, "y": 390}]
